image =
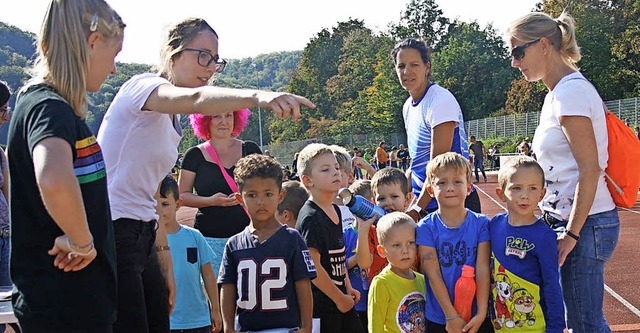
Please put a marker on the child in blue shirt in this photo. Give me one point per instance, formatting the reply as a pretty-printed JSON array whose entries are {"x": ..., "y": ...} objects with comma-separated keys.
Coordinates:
[
  {"x": 449, "y": 238},
  {"x": 526, "y": 291},
  {"x": 191, "y": 256},
  {"x": 356, "y": 245}
]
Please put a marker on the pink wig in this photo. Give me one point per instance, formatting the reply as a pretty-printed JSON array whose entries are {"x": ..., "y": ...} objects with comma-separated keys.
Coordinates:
[{"x": 201, "y": 123}]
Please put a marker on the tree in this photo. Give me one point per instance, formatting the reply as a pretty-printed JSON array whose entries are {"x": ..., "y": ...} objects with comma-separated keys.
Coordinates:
[
  {"x": 474, "y": 66},
  {"x": 422, "y": 19}
]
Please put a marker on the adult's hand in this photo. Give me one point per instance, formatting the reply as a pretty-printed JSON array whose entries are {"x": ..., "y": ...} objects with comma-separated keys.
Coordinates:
[
  {"x": 283, "y": 104},
  {"x": 565, "y": 246},
  {"x": 223, "y": 200},
  {"x": 69, "y": 259}
]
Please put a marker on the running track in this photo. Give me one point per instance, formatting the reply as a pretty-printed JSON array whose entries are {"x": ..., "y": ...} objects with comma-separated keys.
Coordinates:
[{"x": 622, "y": 273}]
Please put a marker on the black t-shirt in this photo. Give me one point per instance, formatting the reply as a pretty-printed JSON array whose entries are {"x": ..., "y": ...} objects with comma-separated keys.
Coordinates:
[
  {"x": 326, "y": 237},
  {"x": 403, "y": 154},
  {"x": 477, "y": 148},
  {"x": 46, "y": 295},
  {"x": 216, "y": 221}
]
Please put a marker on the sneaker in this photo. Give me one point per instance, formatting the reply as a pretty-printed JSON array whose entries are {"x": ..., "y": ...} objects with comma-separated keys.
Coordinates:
[
  {"x": 476, "y": 181},
  {"x": 485, "y": 180}
]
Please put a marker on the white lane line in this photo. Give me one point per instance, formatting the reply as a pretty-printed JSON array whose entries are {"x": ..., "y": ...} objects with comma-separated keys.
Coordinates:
[
  {"x": 607, "y": 288},
  {"x": 622, "y": 300},
  {"x": 490, "y": 197},
  {"x": 629, "y": 210}
]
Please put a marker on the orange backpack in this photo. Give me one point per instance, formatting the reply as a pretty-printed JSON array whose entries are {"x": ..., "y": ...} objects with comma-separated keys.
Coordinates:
[{"x": 623, "y": 167}]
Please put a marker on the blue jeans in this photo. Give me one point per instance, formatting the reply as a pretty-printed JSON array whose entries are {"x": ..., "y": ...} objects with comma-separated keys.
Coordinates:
[
  {"x": 583, "y": 273},
  {"x": 217, "y": 245},
  {"x": 478, "y": 163}
]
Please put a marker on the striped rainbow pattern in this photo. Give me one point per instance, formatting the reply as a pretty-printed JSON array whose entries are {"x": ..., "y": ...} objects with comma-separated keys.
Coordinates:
[{"x": 89, "y": 165}]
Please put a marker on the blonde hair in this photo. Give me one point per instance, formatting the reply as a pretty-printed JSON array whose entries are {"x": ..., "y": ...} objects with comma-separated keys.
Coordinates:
[
  {"x": 448, "y": 160},
  {"x": 176, "y": 39},
  {"x": 63, "y": 52},
  {"x": 391, "y": 221},
  {"x": 343, "y": 157},
  {"x": 560, "y": 32},
  {"x": 308, "y": 154},
  {"x": 512, "y": 165}
]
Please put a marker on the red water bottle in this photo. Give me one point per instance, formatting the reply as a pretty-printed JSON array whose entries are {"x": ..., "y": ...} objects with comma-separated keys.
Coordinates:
[{"x": 465, "y": 292}]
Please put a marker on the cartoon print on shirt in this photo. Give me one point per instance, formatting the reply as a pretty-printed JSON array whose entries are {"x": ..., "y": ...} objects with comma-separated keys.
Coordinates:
[
  {"x": 523, "y": 307},
  {"x": 503, "y": 294}
]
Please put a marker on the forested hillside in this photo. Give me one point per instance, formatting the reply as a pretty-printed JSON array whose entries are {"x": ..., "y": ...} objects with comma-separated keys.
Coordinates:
[{"x": 347, "y": 71}]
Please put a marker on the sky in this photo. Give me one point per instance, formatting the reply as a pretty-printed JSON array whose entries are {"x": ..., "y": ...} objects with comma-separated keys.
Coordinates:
[{"x": 248, "y": 28}]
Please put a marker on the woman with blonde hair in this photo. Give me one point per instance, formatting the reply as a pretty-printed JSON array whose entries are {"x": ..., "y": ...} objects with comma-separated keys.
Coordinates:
[
  {"x": 571, "y": 146},
  {"x": 63, "y": 260},
  {"x": 140, "y": 135}
]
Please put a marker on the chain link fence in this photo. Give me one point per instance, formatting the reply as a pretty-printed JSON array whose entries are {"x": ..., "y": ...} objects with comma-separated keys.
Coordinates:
[
  {"x": 524, "y": 124},
  {"x": 284, "y": 152},
  {"x": 514, "y": 125}
]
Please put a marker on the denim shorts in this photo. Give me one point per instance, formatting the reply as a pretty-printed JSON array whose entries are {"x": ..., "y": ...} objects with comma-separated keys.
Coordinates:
[{"x": 582, "y": 274}]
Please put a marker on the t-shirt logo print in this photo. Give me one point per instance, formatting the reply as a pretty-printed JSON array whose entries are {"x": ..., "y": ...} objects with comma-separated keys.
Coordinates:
[
  {"x": 308, "y": 260},
  {"x": 410, "y": 314},
  {"x": 518, "y": 247}
]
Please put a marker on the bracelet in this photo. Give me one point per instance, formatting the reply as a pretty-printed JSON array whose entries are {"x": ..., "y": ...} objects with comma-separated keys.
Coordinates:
[
  {"x": 452, "y": 318},
  {"x": 163, "y": 248},
  {"x": 572, "y": 235},
  {"x": 77, "y": 248}
]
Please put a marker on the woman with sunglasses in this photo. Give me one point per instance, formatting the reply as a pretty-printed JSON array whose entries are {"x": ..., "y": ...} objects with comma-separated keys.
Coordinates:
[
  {"x": 571, "y": 146},
  {"x": 139, "y": 136},
  {"x": 433, "y": 121}
]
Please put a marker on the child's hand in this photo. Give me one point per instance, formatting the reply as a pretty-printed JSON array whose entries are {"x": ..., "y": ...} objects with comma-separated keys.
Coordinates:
[
  {"x": 216, "y": 321},
  {"x": 473, "y": 325},
  {"x": 365, "y": 225},
  {"x": 345, "y": 303},
  {"x": 359, "y": 161},
  {"x": 304, "y": 330},
  {"x": 455, "y": 325},
  {"x": 355, "y": 294}
]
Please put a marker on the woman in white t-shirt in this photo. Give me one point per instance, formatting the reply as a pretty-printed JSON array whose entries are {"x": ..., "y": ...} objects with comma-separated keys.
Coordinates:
[
  {"x": 571, "y": 146},
  {"x": 433, "y": 121},
  {"x": 139, "y": 137}
]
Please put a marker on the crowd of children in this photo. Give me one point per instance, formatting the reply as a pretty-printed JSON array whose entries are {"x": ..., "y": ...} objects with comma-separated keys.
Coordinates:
[{"x": 306, "y": 263}]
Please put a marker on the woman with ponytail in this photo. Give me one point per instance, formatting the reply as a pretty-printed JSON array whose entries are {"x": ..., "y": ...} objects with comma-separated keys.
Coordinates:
[
  {"x": 63, "y": 259},
  {"x": 570, "y": 144}
]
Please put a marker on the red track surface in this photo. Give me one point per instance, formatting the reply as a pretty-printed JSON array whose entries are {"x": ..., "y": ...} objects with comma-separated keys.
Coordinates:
[{"x": 622, "y": 274}]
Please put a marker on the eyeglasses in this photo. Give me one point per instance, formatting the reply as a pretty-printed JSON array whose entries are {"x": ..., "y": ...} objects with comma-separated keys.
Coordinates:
[
  {"x": 205, "y": 58},
  {"x": 518, "y": 52}
]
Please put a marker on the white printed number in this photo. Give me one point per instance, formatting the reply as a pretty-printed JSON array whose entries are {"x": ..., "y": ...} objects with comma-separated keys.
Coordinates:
[{"x": 248, "y": 275}]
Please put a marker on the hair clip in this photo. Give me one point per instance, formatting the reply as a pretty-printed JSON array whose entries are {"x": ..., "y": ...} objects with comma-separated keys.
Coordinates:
[{"x": 93, "y": 26}]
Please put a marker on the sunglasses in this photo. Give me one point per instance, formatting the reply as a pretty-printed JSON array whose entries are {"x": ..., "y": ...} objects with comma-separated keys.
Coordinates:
[
  {"x": 518, "y": 52},
  {"x": 205, "y": 58}
]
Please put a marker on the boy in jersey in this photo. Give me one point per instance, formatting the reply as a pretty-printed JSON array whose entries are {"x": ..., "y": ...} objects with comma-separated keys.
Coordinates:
[{"x": 266, "y": 268}]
